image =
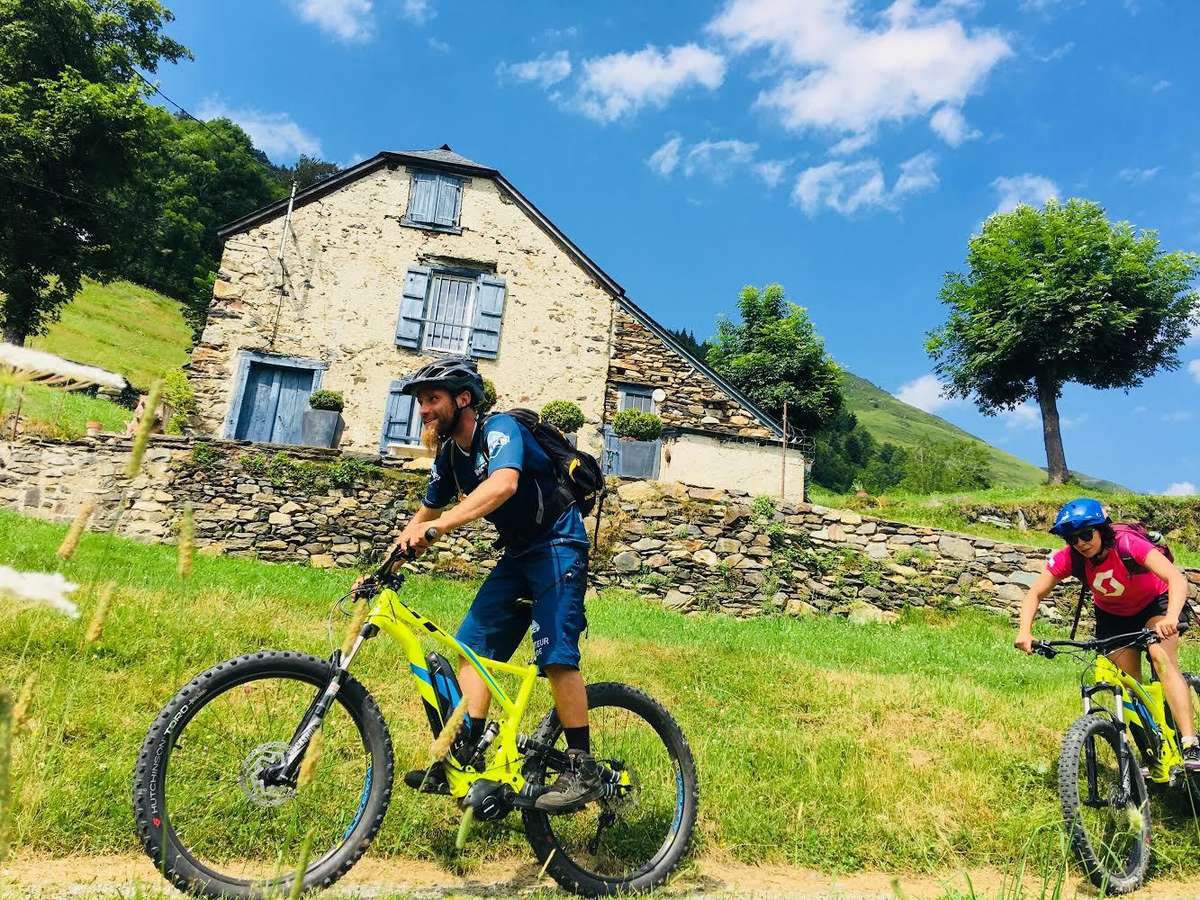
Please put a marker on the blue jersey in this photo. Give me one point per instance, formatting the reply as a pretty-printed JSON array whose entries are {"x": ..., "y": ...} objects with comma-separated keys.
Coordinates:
[{"x": 518, "y": 519}]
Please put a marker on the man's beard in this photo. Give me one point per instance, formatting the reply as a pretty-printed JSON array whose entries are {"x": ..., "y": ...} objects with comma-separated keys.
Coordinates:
[
  {"x": 430, "y": 439},
  {"x": 438, "y": 430}
]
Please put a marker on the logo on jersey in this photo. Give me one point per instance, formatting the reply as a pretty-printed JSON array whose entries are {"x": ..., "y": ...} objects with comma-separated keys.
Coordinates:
[
  {"x": 480, "y": 465},
  {"x": 496, "y": 441},
  {"x": 1106, "y": 583}
]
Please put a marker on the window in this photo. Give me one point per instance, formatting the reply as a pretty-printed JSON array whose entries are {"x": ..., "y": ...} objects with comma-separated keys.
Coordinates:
[
  {"x": 401, "y": 419},
  {"x": 434, "y": 201},
  {"x": 633, "y": 396},
  {"x": 453, "y": 312}
]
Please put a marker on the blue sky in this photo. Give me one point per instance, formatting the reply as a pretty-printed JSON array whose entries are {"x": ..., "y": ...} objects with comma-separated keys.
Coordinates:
[{"x": 846, "y": 150}]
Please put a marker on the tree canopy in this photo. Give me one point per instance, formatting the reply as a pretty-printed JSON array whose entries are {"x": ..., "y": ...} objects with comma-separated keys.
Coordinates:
[
  {"x": 73, "y": 129},
  {"x": 774, "y": 355},
  {"x": 1058, "y": 295}
]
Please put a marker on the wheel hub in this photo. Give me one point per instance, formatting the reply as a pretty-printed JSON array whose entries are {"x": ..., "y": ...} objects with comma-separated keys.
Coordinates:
[{"x": 259, "y": 760}]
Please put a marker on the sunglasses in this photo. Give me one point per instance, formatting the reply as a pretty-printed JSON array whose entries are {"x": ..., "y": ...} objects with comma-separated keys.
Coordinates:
[{"x": 1083, "y": 535}]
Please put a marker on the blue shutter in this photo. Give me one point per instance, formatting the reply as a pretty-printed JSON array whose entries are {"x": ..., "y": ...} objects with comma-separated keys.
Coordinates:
[
  {"x": 423, "y": 199},
  {"x": 397, "y": 418},
  {"x": 489, "y": 309},
  {"x": 449, "y": 198},
  {"x": 412, "y": 308}
]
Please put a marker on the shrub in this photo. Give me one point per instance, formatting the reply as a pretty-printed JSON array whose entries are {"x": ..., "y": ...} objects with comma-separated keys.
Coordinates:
[
  {"x": 347, "y": 472},
  {"x": 178, "y": 394},
  {"x": 330, "y": 400},
  {"x": 763, "y": 506},
  {"x": 637, "y": 425},
  {"x": 563, "y": 415},
  {"x": 489, "y": 398},
  {"x": 204, "y": 456}
]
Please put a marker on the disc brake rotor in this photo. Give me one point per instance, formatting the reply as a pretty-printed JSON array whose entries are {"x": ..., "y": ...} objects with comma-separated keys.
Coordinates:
[{"x": 260, "y": 758}]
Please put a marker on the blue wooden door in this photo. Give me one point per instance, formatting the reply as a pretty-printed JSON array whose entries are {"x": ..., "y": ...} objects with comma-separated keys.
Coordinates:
[
  {"x": 630, "y": 459},
  {"x": 273, "y": 404}
]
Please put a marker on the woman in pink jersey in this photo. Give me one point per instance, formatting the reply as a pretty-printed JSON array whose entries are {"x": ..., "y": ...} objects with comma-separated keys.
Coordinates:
[{"x": 1133, "y": 587}]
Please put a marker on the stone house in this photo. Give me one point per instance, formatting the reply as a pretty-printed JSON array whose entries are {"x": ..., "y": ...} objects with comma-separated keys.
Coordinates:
[{"x": 405, "y": 256}]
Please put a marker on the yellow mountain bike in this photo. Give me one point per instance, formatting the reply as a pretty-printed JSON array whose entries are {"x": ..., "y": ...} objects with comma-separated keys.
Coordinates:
[
  {"x": 227, "y": 798},
  {"x": 1125, "y": 737}
]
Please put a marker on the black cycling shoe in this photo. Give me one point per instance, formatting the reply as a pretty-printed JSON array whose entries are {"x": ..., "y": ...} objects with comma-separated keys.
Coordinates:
[
  {"x": 428, "y": 781},
  {"x": 578, "y": 784},
  {"x": 1191, "y": 757}
]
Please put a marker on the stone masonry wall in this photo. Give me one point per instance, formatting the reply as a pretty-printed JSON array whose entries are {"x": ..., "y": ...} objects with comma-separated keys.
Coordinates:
[
  {"x": 640, "y": 357},
  {"x": 689, "y": 548}
]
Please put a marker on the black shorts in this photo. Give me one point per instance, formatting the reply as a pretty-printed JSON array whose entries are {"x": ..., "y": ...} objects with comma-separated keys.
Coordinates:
[{"x": 1109, "y": 625}]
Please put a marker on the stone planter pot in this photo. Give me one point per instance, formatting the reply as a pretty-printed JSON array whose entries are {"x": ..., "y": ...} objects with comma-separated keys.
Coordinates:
[{"x": 321, "y": 428}]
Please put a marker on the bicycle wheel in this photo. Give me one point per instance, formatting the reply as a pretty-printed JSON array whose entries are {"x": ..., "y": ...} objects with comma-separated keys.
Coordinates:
[
  {"x": 212, "y": 827},
  {"x": 1107, "y": 815},
  {"x": 632, "y": 841},
  {"x": 1185, "y": 799}
]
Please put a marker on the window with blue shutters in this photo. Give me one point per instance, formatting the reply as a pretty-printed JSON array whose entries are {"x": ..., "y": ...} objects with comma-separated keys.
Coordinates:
[
  {"x": 434, "y": 200},
  {"x": 401, "y": 419},
  {"x": 452, "y": 312}
]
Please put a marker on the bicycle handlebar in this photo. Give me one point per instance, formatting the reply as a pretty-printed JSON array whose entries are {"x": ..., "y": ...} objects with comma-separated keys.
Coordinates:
[
  {"x": 371, "y": 582},
  {"x": 1143, "y": 638}
]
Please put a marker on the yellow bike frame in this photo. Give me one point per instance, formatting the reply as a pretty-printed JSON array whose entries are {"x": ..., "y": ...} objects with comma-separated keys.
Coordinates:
[
  {"x": 390, "y": 614},
  {"x": 1141, "y": 703}
]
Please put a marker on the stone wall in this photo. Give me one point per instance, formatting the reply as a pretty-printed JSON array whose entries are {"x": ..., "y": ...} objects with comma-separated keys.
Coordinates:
[
  {"x": 639, "y": 357},
  {"x": 690, "y": 548}
]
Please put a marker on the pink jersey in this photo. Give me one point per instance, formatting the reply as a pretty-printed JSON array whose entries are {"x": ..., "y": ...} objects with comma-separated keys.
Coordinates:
[{"x": 1113, "y": 588}]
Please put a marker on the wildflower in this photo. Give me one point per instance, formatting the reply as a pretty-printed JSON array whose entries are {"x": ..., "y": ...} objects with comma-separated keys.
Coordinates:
[
  {"x": 187, "y": 541},
  {"x": 96, "y": 626},
  {"x": 145, "y": 426},
  {"x": 75, "y": 532},
  {"x": 39, "y": 588}
]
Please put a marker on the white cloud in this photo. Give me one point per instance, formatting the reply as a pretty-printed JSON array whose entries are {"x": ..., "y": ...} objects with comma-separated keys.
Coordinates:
[
  {"x": 1194, "y": 365},
  {"x": 848, "y": 187},
  {"x": 620, "y": 84},
  {"x": 1136, "y": 176},
  {"x": 948, "y": 124},
  {"x": 1160, "y": 86},
  {"x": 348, "y": 20},
  {"x": 843, "y": 75},
  {"x": 1058, "y": 52},
  {"x": 417, "y": 11},
  {"x": 1069, "y": 422},
  {"x": 1032, "y": 189},
  {"x": 848, "y": 146},
  {"x": 715, "y": 160},
  {"x": 925, "y": 393},
  {"x": 1024, "y": 415},
  {"x": 276, "y": 134},
  {"x": 438, "y": 46},
  {"x": 546, "y": 70},
  {"x": 666, "y": 158},
  {"x": 354, "y": 160},
  {"x": 1180, "y": 489},
  {"x": 1178, "y": 416}
]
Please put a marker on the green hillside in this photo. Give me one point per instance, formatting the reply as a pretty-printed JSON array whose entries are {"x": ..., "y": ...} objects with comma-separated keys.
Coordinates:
[
  {"x": 888, "y": 419},
  {"x": 123, "y": 328}
]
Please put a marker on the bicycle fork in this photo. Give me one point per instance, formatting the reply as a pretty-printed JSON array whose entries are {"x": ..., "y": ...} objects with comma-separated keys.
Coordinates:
[{"x": 1124, "y": 756}]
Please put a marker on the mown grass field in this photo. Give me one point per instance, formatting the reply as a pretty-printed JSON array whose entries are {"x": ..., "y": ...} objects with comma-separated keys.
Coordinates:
[
  {"x": 121, "y": 327},
  {"x": 918, "y": 746}
]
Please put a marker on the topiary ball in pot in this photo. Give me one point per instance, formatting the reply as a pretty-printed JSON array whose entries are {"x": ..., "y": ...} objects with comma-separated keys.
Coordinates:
[
  {"x": 636, "y": 425},
  {"x": 563, "y": 415},
  {"x": 322, "y": 425},
  {"x": 331, "y": 401}
]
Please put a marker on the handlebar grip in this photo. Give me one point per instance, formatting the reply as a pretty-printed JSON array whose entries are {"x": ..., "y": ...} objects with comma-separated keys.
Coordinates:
[{"x": 432, "y": 534}]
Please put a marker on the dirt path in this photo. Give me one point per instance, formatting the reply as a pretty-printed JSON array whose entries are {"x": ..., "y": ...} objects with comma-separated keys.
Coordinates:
[{"x": 113, "y": 876}]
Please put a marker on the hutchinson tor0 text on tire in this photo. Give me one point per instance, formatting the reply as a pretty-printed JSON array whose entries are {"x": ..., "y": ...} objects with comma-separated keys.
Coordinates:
[
  {"x": 1107, "y": 814},
  {"x": 649, "y": 826},
  {"x": 211, "y": 827}
]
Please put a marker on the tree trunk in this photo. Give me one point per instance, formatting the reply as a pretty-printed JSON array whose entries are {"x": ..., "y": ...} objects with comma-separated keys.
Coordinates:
[
  {"x": 14, "y": 335},
  {"x": 1056, "y": 460}
]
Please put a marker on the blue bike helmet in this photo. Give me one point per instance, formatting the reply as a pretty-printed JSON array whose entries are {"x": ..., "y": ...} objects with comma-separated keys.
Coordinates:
[{"x": 1079, "y": 513}]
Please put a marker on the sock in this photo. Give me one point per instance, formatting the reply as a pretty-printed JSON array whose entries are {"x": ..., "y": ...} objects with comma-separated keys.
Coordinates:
[
  {"x": 1190, "y": 741},
  {"x": 474, "y": 731},
  {"x": 579, "y": 738}
]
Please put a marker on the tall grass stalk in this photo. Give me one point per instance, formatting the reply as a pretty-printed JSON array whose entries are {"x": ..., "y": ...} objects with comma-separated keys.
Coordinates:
[
  {"x": 67, "y": 548},
  {"x": 312, "y": 757},
  {"x": 95, "y": 629},
  {"x": 21, "y": 709},
  {"x": 441, "y": 745},
  {"x": 301, "y": 867},
  {"x": 6, "y": 730},
  {"x": 187, "y": 540},
  {"x": 145, "y": 426},
  {"x": 361, "y": 608}
]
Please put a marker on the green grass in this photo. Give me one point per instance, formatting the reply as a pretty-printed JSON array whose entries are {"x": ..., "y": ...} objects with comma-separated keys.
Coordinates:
[
  {"x": 888, "y": 419},
  {"x": 918, "y": 746},
  {"x": 123, "y": 328},
  {"x": 61, "y": 414}
]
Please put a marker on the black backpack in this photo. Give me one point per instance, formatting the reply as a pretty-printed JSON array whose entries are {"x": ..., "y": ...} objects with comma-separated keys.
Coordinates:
[
  {"x": 1132, "y": 566},
  {"x": 579, "y": 475}
]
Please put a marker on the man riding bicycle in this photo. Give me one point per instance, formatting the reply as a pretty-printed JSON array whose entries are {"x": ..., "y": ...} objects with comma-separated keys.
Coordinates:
[
  {"x": 502, "y": 474},
  {"x": 1134, "y": 586}
]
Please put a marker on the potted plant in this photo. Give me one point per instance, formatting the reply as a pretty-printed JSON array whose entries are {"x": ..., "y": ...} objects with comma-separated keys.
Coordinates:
[
  {"x": 565, "y": 416},
  {"x": 94, "y": 427},
  {"x": 322, "y": 426},
  {"x": 636, "y": 425}
]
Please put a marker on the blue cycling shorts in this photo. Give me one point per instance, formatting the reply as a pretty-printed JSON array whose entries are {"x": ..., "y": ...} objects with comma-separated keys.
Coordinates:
[{"x": 544, "y": 586}]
